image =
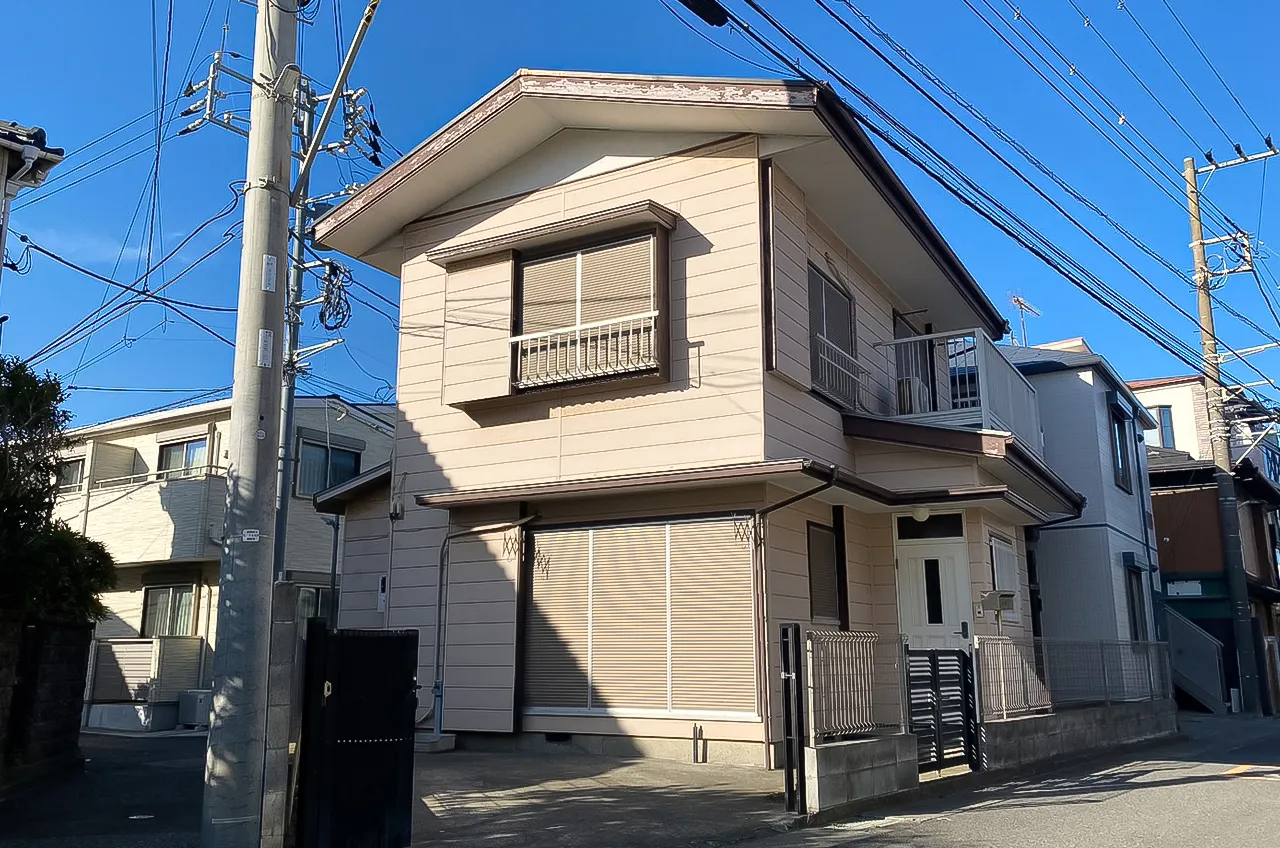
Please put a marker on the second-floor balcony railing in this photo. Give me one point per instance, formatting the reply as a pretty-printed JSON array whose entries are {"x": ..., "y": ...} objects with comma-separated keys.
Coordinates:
[
  {"x": 150, "y": 517},
  {"x": 587, "y": 351},
  {"x": 961, "y": 379}
]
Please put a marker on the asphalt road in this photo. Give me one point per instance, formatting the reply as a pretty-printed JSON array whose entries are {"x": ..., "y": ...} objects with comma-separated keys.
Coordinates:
[
  {"x": 134, "y": 793},
  {"x": 1220, "y": 789}
]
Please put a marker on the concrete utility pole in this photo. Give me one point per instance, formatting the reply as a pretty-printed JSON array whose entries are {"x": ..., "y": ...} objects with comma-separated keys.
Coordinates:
[
  {"x": 232, "y": 814},
  {"x": 1220, "y": 443},
  {"x": 306, "y": 121}
]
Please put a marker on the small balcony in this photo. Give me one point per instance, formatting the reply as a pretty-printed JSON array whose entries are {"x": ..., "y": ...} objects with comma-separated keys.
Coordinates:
[
  {"x": 957, "y": 379},
  {"x": 150, "y": 517},
  {"x": 600, "y": 349}
]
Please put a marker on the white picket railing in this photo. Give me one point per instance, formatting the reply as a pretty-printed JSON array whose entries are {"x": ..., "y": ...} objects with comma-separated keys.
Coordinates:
[{"x": 596, "y": 349}]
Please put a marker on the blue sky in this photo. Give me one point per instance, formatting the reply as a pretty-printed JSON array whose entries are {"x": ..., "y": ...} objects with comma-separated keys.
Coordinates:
[{"x": 424, "y": 62}]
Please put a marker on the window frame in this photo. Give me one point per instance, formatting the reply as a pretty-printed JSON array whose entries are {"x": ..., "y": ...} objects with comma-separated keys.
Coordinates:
[
  {"x": 576, "y": 247},
  {"x": 846, "y": 292},
  {"x": 71, "y": 462},
  {"x": 329, "y": 449},
  {"x": 144, "y": 627},
  {"x": 1164, "y": 430},
  {"x": 1136, "y": 603},
  {"x": 839, "y": 575},
  {"x": 184, "y": 470},
  {"x": 994, "y": 540},
  {"x": 1122, "y": 460}
]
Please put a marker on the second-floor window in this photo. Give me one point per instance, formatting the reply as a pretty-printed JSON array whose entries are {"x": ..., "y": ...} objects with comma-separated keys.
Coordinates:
[
  {"x": 833, "y": 350},
  {"x": 70, "y": 475},
  {"x": 1121, "y": 451},
  {"x": 587, "y": 313},
  {"x": 320, "y": 467},
  {"x": 1164, "y": 425},
  {"x": 183, "y": 459}
]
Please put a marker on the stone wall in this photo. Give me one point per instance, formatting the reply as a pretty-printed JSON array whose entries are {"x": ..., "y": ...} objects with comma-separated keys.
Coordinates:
[
  {"x": 1031, "y": 739},
  {"x": 44, "y": 717},
  {"x": 841, "y": 773}
]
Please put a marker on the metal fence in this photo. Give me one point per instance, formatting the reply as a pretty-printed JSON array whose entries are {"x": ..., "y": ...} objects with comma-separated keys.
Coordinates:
[
  {"x": 855, "y": 683},
  {"x": 597, "y": 349},
  {"x": 1017, "y": 676}
]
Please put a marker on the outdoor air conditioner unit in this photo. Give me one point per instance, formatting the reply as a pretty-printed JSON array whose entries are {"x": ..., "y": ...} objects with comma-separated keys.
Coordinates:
[
  {"x": 194, "y": 706},
  {"x": 913, "y": 396}
]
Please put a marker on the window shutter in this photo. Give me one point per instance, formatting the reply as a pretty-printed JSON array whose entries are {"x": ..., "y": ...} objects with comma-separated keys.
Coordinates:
[
  {"x": 549, "y": 294},
  {"x": 712, "y": 619},
  {"x": 556, "y": 631},
  {"x": 824, "y": 605},
  {"x": 629, "y": 617},
  {"x": 617, "y": 280}
]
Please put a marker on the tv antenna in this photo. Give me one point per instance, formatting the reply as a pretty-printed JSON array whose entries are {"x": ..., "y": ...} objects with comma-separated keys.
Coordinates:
[{"x": 1023, "y": 308}]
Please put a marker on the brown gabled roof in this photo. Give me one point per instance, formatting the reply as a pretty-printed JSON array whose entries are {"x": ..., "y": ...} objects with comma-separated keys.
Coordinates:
[{"x": 1158, "y": 382}]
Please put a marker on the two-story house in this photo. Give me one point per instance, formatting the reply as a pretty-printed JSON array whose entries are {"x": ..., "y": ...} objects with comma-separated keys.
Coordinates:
[
  {"x": 152, "y": 488},
  {"x": 1095, "y": 577},
  {"x": 1190, "y": 532},
  {"x": 681, "y": 361}
]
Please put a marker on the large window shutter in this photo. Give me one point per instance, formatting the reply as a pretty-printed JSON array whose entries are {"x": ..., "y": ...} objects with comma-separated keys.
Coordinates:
[
  {"x": 617, "y": 280},
  {"x": 712, "y": 619},
  {"x": 629, "y": 617},
  {"x": 549, "y": 291},
  {"x": 556, "y": 630}
]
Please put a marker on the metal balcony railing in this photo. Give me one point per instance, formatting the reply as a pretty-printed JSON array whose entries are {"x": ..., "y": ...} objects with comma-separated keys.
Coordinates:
[
  {"x": 837, "y": 374},
  {"x": 586, "y": 351},
  {"x": 960, "y": 378},
  {"x": 1017, "y": 676},
  {"x": 855, "y": 684}
]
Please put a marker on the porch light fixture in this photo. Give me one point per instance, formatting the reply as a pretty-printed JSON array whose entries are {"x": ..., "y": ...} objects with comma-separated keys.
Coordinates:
[{"x": 920, "y": 513}]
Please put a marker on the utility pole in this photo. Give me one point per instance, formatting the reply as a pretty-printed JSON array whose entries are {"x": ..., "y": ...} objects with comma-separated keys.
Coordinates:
[
  {"x": 1220, "y": 444},
  {"x": 232, "y": 814},
  {"x": 297, "y": 271}
]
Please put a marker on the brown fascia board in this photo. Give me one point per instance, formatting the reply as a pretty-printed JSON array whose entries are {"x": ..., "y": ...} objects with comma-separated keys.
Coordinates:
[
  {"x": 549, "y": 84},
  {"x": 975, "y": 443},
  {"x": 843, "y": 125},
  {"x": 333, "y": 501},
  {"x": 758, "y": 471}
]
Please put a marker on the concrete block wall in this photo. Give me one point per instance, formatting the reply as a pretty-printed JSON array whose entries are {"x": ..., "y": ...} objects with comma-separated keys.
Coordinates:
[
  {"x": 841, "y": 773},
  {"x": 1031, "y": 739}
]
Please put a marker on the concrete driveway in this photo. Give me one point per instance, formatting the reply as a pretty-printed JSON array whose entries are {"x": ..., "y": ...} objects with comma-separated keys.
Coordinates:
[{"x": 562, "y": 799}]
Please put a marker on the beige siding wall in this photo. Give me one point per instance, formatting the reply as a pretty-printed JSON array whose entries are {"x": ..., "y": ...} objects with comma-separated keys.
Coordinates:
[
  {"x": 797, "y": 422},
  {"x": 979, "y": 525},
  {"x": 709, "y": 413},
  {"x": 871, "y": 580},
  {"x": 480, "y": 651},
  {"x": 366, "y": 559}
]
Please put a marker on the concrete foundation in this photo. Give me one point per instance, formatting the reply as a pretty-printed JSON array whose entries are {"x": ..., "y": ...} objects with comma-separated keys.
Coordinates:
[
  {"x": 842, "y": 773},
  {"x": 1030, "y": 739},
  {"x": 135, "y": 717},
  {"x": 719, "y": 751}
]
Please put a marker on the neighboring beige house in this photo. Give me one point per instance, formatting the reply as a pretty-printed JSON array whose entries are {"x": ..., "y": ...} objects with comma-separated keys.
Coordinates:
[
  {"x": 681, "y": 361},
  {"x": 152, "y": 488}
]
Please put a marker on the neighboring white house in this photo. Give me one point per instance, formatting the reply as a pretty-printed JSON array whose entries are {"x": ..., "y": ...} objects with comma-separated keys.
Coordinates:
[
  {"x": 1096, "y": 575},
  {"x": 152, "y": 488}
]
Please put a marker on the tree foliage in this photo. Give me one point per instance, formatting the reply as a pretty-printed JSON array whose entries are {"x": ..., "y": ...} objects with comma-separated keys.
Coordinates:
[{"x": 46, "y": 568}]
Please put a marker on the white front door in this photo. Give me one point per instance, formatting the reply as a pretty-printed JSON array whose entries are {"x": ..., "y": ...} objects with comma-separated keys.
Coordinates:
[{"x": 934, "y": 610}]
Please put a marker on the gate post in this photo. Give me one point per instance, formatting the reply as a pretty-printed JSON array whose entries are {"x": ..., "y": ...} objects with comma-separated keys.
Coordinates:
[{"x": 793, "y": 717}]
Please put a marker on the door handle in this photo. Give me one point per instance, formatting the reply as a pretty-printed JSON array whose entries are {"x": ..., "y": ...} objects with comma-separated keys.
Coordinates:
[{"x": 963, "y": 632}]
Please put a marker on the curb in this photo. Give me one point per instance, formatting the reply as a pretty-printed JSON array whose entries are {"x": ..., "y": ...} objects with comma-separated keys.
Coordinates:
[{"x": 942, "y": 787}]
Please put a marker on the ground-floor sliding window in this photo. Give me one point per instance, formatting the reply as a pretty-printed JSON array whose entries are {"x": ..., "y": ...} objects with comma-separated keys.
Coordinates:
[{"x": 648, "y": 619}]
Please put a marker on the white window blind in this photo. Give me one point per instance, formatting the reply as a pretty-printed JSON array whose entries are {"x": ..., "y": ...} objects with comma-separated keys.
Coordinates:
[{"x": 1004, "y": 567}]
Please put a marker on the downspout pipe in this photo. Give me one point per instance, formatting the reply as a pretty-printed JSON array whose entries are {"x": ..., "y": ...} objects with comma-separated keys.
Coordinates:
[
  {"x": 786, "y": 502},
  {"x": 442, "y": 599}
]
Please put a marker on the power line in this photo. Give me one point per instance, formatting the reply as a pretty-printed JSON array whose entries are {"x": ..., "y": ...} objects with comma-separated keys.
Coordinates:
[
  {"x": 1089, "y": 24},
  {"x": 138, "y": 389},
  {"x": 1173, "y": 68},
  {"x": 1012, "y": 225},
  {"x": 689, "y": 26},
  {"x": 1196, "y": 45},
  {"x": 1010, "y": 166}
]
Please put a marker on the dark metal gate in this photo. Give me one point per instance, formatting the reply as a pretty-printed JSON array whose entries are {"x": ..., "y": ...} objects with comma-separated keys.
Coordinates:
[
  {"x": 356, "y": 751},
  {"x": 943, "y": 714}
]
